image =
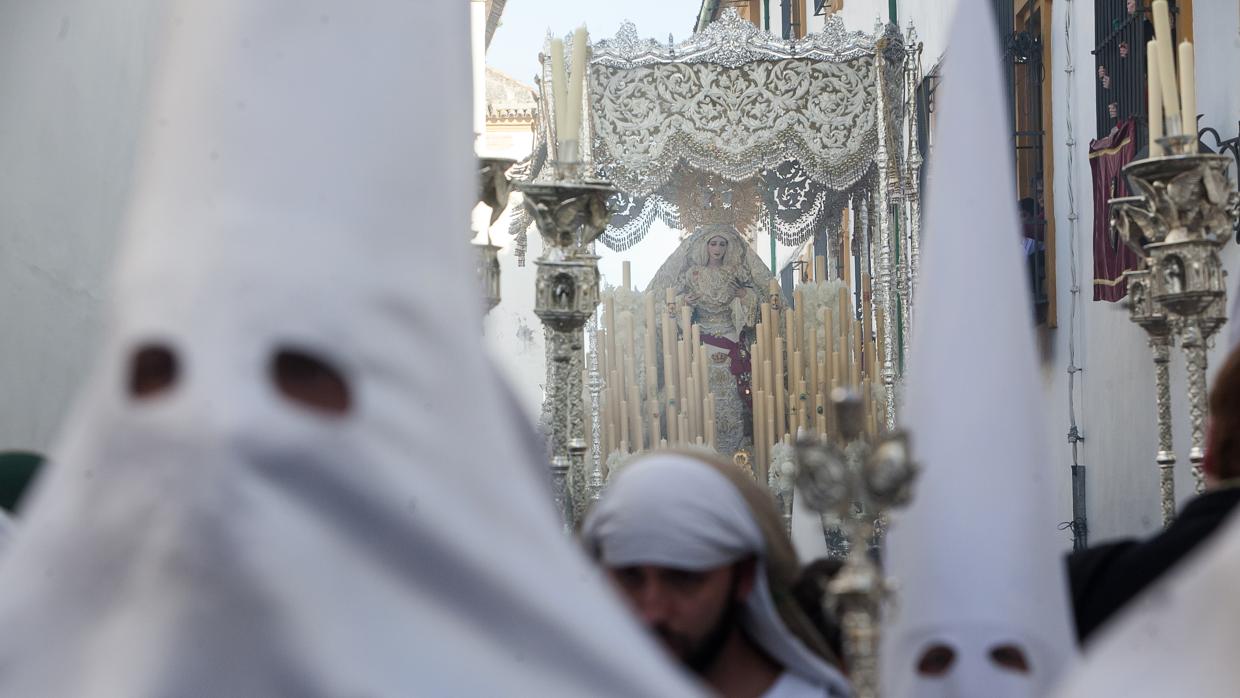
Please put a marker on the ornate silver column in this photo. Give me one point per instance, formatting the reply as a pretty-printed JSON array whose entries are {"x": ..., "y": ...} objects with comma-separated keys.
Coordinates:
[
  {"x": 570, "y": 213},
  {"x": 1143, "y": 311},
  {"x": 833, "y": 481}
]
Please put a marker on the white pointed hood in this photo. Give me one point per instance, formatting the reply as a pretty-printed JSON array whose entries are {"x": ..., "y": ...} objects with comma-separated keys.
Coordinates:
[
  {"x": 976, "y": 556},
  {"x": 305, "y": 183}
]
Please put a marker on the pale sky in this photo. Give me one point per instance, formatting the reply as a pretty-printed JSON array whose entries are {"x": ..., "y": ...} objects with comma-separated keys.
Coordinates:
[
  {"x": 519, "y": 38},
  {"x": 514, "y": 50}
]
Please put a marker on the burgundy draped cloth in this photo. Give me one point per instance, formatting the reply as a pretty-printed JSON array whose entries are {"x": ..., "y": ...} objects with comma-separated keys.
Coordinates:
[
  {"x": 1107, "y": 158},
  {"x": 740, "y": 365}
]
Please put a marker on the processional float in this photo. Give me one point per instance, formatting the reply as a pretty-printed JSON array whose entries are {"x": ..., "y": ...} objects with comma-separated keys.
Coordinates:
[
  {"x": 1184, "y": 212},
  {"x": 809, "y": 142},
  {"x": 799, "y": 140}
]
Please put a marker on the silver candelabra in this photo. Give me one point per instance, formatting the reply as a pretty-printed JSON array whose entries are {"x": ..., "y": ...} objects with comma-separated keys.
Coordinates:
[
  {"x": 837, "y": 480},
  {"x": 571, "y": 212},
  {"x": 1185, "y": 212}
]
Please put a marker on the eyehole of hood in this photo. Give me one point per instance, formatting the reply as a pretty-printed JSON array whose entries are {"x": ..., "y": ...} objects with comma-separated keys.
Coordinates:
[
  {"x": 1010, "y": 657},
  {"x": 311, "y": 382},
  {"x": 153, "y": 370},
  {"x": 937, "y": 660}
]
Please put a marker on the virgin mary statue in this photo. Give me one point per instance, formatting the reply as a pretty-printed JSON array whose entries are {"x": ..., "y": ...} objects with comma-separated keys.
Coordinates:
[{"x": 716, "y": 274}]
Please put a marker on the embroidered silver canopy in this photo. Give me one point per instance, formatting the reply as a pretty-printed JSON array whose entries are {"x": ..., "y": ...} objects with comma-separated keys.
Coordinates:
[
  {"x": 735, "y": 101},
  {"x": 795, "y": 121}
]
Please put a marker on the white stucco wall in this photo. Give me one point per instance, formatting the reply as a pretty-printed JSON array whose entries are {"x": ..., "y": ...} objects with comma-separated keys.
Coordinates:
[{"x": 72, "y": 83}]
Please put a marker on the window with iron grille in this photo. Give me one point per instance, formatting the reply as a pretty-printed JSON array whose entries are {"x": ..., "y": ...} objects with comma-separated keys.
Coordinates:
[
  {"x": 1121, "y": 30},
  {"x": 1021, "y": 42}
]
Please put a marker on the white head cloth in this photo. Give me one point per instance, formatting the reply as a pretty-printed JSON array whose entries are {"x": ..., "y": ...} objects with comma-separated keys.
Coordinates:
[
  {"x": 976, "y": 554},
  {"x": 306, "y": 181},
  {"x": 1179, "y": 638},
  {"x": 673, "y": 510}
]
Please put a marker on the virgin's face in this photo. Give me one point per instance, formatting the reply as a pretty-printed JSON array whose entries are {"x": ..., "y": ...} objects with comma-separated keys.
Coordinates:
[{"x": 716, "y": 248}]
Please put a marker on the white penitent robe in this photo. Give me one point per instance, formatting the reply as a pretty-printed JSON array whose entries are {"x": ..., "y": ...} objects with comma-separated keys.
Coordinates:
[{"x": 303, "y": 191}]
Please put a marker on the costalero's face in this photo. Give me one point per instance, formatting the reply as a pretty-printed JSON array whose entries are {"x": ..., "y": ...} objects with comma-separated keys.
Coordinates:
[
  {"x": 691, "y": 612},
  {"x": 716, "y": 248}
]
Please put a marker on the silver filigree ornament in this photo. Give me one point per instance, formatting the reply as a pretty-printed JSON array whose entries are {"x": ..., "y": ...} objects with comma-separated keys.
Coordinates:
[
  {"x": 732, "y": 41},
  {"x": 494, "y": 187}
]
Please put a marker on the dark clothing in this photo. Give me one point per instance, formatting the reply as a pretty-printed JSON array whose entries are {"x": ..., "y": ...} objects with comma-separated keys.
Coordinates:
[{"x": 1104, "y": 578}]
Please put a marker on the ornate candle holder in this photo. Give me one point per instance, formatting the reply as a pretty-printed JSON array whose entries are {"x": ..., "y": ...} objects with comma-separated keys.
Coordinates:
[
  {"x": 835, "y": 480},
  {"x": 1185, "y": 213},
  {"x": 570, "y": 215},
  {"x": 493, "y": 191}
]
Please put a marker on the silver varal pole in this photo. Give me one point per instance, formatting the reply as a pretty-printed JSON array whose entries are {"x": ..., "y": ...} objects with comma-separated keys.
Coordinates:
[
  {"x": 594, "y": 384},
  {"x": 912, "y": 196},
  {"x": 887, "y": 275}
]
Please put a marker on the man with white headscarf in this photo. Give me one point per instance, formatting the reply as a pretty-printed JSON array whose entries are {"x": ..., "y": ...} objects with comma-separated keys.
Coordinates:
[
  {"x": 292, "y": 472},
  {"x": 982, "y": 610},
  {"x": 699, "y": 551}
]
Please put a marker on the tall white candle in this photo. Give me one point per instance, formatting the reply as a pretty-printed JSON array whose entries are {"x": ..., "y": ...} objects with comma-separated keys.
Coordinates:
[
  {"x": 559, "y": 94},
  {"x": 1188, "y": 87},
  {"x": 1155, "y": 90},
  {"x": 576, "y": 86},
  {"x": 1166, "y": 66}
]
